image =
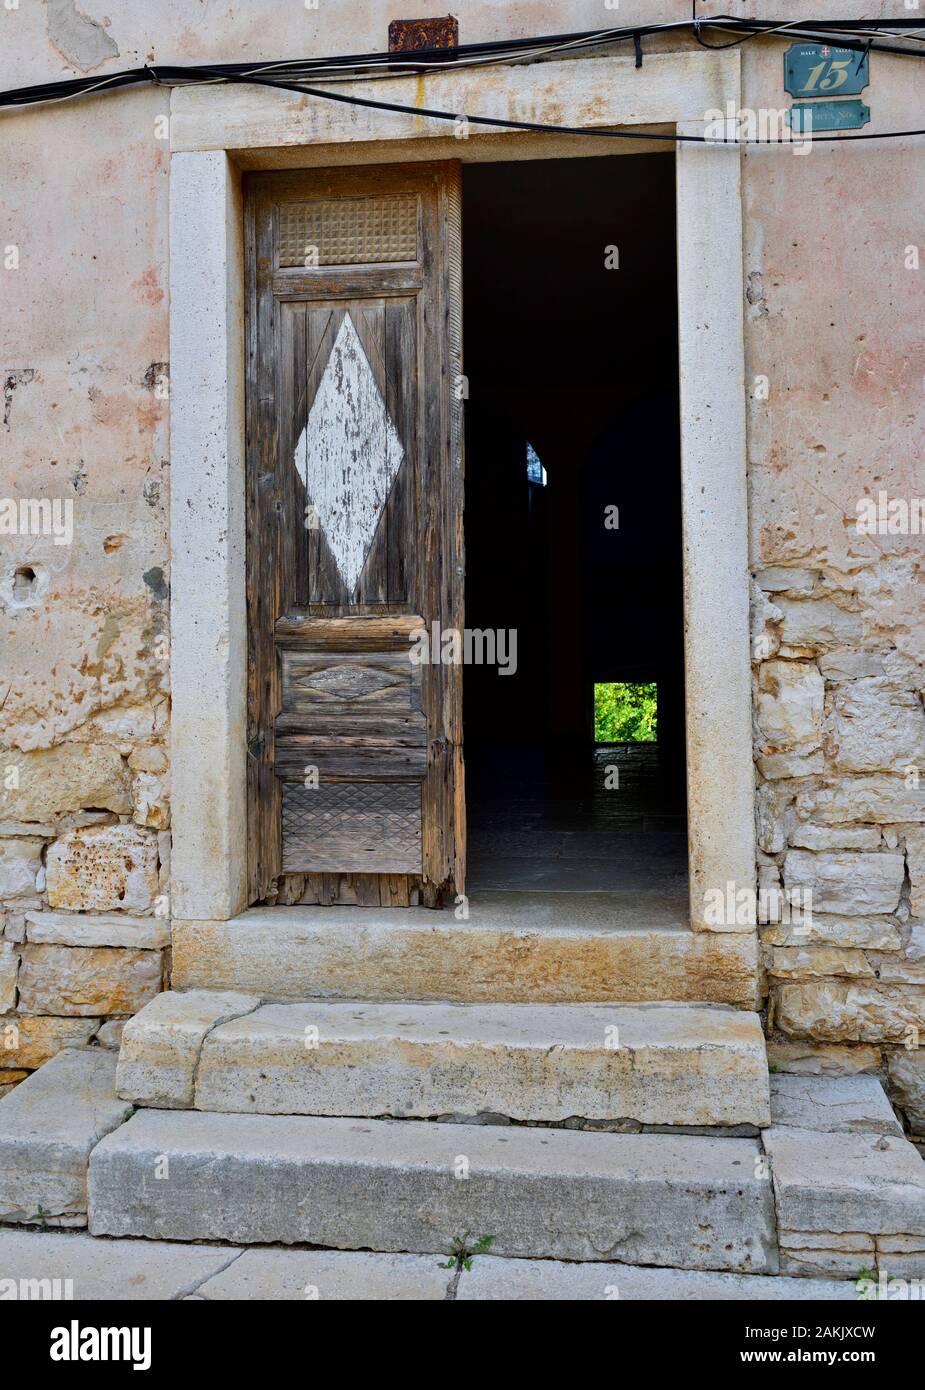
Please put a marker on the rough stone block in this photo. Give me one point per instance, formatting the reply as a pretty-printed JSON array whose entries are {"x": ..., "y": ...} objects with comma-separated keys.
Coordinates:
[
  {"x": 20, "y": 865},
  {"x": 9, "y": 969},
  {"x": 865, "y": 1183},
  {"x": 53, "y": 781},
  {"x": 876, "y": 728},
  {"x": 817, "y": 624},
  {"x": 151, "y": 800},
  {"x": 97, "y": 929},
  {"x": 872, "y": 933},
  {"x": 840, "y": 1011},
  {"x": 161, "y": 1045},
  {"x": 808, "y": 962},
  {"x": 88, "y": 980},
  {"x": 907, "y": 1083},
  {"x": 100, "y": 869},
  {"x": 27, "y": 1041},
  {"x": 877, "y": 797},
  {"x": 915, "y": 858},
  {"x": 790, "y": 705},
  {"x": 365, "y": 1184},
  {"x": 836, "y": 1104},
  {"x": 822, "y": 1059},
  {"x": 848, "y": 883},
  {"x": 48, "y": 1127},
  {"x": 822, "y": 837}
]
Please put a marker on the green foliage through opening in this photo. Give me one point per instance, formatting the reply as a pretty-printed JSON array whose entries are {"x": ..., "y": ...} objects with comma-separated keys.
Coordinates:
[{"x": 625, "y": 713}]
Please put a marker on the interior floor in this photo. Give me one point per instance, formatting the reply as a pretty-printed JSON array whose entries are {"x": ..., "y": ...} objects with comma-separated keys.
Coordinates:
[
  {"x": 573, "y": 526},
  {"x": 545, "y": 822}
]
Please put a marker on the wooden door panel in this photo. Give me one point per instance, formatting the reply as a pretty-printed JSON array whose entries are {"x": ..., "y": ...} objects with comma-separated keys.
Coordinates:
[
  {"x": 352, "y": 827},
  {"x": 354, "y": 533}
]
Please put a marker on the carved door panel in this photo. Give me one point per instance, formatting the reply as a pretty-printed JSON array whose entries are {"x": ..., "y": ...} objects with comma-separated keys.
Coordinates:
[{"x": 354, "y": 534}]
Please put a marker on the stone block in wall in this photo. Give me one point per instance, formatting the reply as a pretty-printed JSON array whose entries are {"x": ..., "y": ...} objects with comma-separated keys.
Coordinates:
[
  {"x": 818, "y": 624},
  {"x": 898, "y": 970},
  {"x": 9, "y": 969},
  {"x": 810, "y": 1058},
  {"x": 20, "y": 865},
  {"x": 110, "y": 1034},
  {"x": 86, "y": 981},
  {"x": 915, "y": 858},
  {"x": 151, "y": 801},
  {"x": 14, "y": 928},
  {"x": 813, "y": 962},
  {"x": 907, "y": 1085},
  {"x": 851, "y": 664},
  {"x": 103, "y": 868},
  {"x": 29, "y": 1041},
  {"x": 764, "y": 621},
  {"x": 778, "y": 579},
  {"x": 149, "y": 758},
  {"x": 97, "y": 929},
  {"x": 69, "y": 777},
  {"x": 846, "y": 1011},
  {"x": 875, "y": 727},
  {"x": 821, "y": 837},
  {"x": 879, "y": 798},
  {"x": 915, "y": 946},
  {"x": 848, "y": 883},
  {"x": 790, "y": 705},
  {"x": 871, "y": 933},
  {"x": 774, "y": 802},
  {"x": 775, "y": 766}
]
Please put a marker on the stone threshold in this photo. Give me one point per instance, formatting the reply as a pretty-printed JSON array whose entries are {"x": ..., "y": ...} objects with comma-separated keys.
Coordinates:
[{"x": 513, "y": 948}]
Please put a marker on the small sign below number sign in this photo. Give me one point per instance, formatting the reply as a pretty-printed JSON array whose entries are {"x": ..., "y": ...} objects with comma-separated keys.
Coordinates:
[{"x": 824, "y": 70}]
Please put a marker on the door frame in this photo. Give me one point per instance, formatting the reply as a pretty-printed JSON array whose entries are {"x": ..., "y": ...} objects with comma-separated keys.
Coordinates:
[{"x": 219, "y": 132}]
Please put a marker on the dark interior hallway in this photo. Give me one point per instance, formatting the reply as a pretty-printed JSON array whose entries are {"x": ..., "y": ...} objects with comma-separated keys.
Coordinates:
[{"x": 573, "y": 527}]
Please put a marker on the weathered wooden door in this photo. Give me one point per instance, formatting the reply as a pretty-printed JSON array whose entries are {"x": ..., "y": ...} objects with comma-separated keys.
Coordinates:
[{"x": 354, "y": 499}]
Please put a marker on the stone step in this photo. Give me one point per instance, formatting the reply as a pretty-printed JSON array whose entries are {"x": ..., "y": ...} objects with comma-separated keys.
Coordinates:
[
  {"x": 411, "y": 1185},
  {"x": 72, "y": 1265},
  {"x": 679, "y": 1065},
  {"x": 48, "y": 1125},
  {"x": 514, "y": 948}
]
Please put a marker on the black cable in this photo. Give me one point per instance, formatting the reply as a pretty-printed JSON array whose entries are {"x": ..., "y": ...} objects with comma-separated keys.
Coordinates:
[{"x": 499, "y": 50}]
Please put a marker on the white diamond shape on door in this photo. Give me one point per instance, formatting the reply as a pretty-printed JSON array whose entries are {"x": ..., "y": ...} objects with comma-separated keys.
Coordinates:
[{"x": 348, "y": 454}]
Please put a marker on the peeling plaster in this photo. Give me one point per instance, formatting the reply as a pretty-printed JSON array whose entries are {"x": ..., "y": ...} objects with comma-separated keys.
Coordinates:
[{"x": 81, "y": 40}]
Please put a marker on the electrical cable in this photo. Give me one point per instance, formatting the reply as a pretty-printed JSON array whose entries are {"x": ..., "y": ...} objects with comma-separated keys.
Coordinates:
[{"x": 850, "y": 33}]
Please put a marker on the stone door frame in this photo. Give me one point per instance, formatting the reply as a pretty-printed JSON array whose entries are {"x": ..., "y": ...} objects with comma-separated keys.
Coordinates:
[{"x": 218, "y": 132}]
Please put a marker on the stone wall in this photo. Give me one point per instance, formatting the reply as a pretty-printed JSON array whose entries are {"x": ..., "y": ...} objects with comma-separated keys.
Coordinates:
[
  {"x": 840, "y": 749},
  {"x": 835, "y": 335}
]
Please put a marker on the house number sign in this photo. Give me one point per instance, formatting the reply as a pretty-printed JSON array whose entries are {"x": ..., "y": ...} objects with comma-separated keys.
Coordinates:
[
  {"x": 821, "y": 70},
  {"x": 824, "y": 77}
]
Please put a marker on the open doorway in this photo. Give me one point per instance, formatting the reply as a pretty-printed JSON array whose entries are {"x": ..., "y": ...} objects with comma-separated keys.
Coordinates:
[{"x": 573, "y": 528}]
